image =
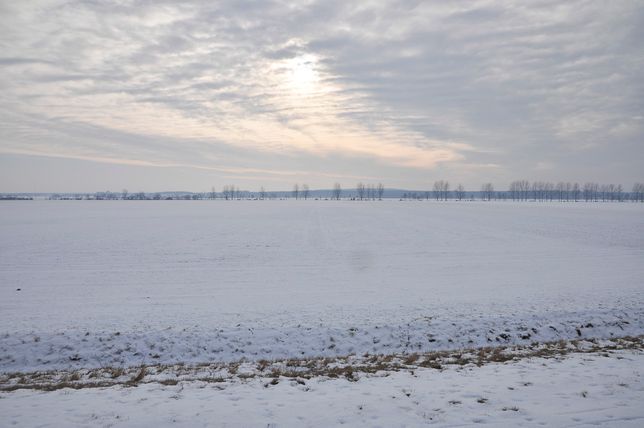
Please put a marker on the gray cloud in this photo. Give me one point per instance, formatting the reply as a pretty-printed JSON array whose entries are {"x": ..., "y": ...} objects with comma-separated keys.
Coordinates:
[{"x": 404, "y": 90}]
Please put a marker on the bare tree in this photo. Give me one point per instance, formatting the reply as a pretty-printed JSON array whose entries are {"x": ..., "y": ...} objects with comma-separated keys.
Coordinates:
[
  {"x": 549, "y": 191},
  {"x": 536, "y": 187},
  {"x": 445, "y": 190},
  {"x": 487, "y": 191},
  {"x": 229, "y": 192},
  {"x": 438, "y": 185},
  {"x": 360, "y": 187},
  {"x": 637, "y": 195},
  {"x": 305, "y": 191},
  {"x": 296, "y": 191},
  {"x": 381, "y": 190},
  {"x": 560, "y": 189},
  {"x": 460, "y": 192},
  {"x": 213, "y": 194},
  {"x": 124, "y": 194},
  {"x": 262, "y": 193},
  {"x": 519, "y": 190},
  {"x": 514, "y": 190},
  {"x": 576, "y": 192},
  {"x": 587, "y": 191},
  {"x": 441, "y": 190},
  {"x": 337, "y": 191}
]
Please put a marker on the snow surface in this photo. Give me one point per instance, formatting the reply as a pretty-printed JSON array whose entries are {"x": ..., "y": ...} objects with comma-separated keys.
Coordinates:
[
  {"x": 578, "y": 390},
  {"x": 127, "y": 283}
]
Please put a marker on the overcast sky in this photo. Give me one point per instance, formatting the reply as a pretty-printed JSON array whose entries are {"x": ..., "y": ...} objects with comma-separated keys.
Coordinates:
[{"x": 151, "y": 96}]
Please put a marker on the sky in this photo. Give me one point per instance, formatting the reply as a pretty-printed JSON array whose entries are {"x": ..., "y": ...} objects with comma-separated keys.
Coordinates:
[{"x": 153, "y": 95}]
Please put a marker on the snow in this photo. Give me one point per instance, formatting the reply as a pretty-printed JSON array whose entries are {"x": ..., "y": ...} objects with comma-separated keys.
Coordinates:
[
  {"x": 122, "y": 283},
  {"x": 578, "y": 390}
]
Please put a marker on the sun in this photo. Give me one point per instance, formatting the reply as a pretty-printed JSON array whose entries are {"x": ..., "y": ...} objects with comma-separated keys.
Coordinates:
[{"x": 302, "y": 73}]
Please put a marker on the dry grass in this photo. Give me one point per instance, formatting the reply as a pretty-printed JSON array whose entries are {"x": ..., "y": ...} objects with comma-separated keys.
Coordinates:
[{"x": 350, "y": 368}]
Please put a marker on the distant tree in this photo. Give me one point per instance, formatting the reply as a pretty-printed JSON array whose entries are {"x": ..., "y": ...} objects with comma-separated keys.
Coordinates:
[
  {"x": 619, "y": 192},
  {"x": 296, "y": 191},
  {"x": 460, "y": 192},
  {"x": 441, "y": 190},
  {"x": 567, "y": 191},
  {"x": 371, "y": 191},
  {"x": 262, "y": 193},
  {"x": 361, "y": 188},
  {"x": 438, "y": 185},
  {"x": 549, "y": 191},
  {"x": 576, "y": 192},
  {"x": 381, "y": 190},
  {"x": 213, "y": 194},
  {"x": 445, "y": 190},
  {"x": 603, "y": 192},
  {"x": 337, "y": 191},
  {"x": 637, "y": 195},
  {"x": 559, "y": 189},
  {"x": 524, "y": 188},
  {"x": 587, "y": 192},
  {"x": 305, "y": 191},
  {"x": 229, "y": 192},
  {"x": 487, "y": 191},
  {"x": 124, "y": 194},
  {"x": 535, "y": 190},
  {"x": 596, "y": 192}
]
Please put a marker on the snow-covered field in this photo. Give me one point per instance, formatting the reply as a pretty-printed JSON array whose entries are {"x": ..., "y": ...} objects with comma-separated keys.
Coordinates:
[
  {"x": 114, "y": 283},
  {"x": 196, "y": 303}
]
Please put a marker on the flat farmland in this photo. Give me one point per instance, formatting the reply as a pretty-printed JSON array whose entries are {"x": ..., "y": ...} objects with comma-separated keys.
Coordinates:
[{"x": 95, "y": 283}]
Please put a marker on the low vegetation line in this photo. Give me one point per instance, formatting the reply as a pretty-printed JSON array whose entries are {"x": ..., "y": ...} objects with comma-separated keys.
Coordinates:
[{"x": 350, "y": 367}]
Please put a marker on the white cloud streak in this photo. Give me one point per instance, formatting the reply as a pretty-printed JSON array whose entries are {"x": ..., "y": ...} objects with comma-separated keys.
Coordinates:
[{"x": 392, "y": 87}]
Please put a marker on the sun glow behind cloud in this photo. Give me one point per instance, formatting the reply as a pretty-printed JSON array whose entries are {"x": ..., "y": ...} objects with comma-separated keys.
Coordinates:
[
  {"x": 273, "y": 86},
  {"x": 302, "y": 74}
]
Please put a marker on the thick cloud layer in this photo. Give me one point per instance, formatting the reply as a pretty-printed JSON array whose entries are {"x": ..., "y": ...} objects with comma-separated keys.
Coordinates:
[{"x": 260, "y": 92}]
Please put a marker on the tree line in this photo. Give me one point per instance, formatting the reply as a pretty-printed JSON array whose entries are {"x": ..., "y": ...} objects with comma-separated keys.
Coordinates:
[
  {"x": 523, "y": 190},
  {"x": 519, "y": 190}
]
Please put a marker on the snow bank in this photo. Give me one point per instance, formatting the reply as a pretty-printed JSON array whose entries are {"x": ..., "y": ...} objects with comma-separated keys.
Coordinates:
[{"x": 579, "y": 390}]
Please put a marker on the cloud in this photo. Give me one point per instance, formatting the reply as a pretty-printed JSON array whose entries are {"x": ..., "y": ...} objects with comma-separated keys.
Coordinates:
[{"x": 391, "y": 87}]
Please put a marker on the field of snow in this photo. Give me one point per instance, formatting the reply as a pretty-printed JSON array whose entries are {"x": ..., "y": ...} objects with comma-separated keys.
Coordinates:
[{"x": 118, "y": 283}]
